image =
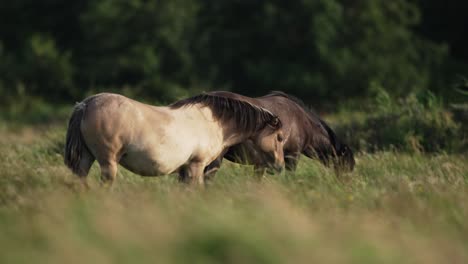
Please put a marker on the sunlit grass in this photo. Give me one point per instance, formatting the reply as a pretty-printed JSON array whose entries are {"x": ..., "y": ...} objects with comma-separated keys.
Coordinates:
[{"x": 394, "y": 208}]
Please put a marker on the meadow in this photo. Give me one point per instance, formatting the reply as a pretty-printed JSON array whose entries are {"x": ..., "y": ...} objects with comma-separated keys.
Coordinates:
[{"x": 395, "y": 207}]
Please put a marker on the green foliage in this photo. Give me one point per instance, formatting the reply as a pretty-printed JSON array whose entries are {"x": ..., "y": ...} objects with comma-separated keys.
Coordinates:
[
  {"x": 143, "y": 44},
  {"x": 316, "y": 49},
  {"x": 49, "y": 71},
  {"x": 321, "y": 50},
  {"x": 24, "y": 109},
  {"x": 42, "y": 70},
  {"x": 418, "y": 122},
  {"x": 372, "y": 42}
]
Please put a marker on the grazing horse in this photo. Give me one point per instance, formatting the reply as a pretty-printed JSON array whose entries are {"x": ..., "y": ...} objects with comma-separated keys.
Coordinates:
[
  {"x": 183, "y": 137},
  {"x": 303, "y": 131}
]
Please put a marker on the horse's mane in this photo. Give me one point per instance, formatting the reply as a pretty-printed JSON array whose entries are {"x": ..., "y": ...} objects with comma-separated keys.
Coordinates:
[
  {"x": 312, "y": 116},
  {"x": 247, "y": 116}
]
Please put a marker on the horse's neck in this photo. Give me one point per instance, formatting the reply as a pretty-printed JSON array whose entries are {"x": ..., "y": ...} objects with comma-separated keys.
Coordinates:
[
  {"x": 204, "y": 116},
  {"x": 233, "y": 136},
  {"x": 198, "y": 120}
]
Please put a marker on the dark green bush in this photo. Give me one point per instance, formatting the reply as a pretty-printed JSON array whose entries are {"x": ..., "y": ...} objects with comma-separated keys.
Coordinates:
[
  {"x": 418, "y": 122},
  {"x": 319, "y": 50}
]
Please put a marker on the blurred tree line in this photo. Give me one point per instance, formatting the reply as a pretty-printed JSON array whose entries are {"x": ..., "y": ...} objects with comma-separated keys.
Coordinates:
[{"x": 319, "y": 50}]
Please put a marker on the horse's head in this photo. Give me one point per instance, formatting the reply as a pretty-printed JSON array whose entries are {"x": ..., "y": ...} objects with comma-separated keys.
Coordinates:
[
  {"x": 247, "y": 121},
  {"x": 270, "y": 140}
]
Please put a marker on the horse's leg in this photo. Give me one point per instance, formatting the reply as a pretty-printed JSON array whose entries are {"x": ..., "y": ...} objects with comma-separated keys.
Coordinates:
[
  {"x": 212, "y": 168},
  {"x": 87, "y": 160},
  {"x": 108, "y": 171},
  {"x": 192, "y": 173},
  {"x": 259, "y": 171},
  {"x": 183, "y": 174},
  {"x": 291, "y": 162},
  {"x": 195, "y": 173}
]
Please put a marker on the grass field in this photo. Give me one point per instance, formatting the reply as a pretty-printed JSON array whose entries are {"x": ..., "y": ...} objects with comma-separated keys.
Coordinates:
[{"x": 394, "y": 208}]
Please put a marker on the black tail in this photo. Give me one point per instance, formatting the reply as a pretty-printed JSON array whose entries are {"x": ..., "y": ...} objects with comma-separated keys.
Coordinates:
[
  {"x": 75, "y": 145},
  {"x": 342, "y": 151}
]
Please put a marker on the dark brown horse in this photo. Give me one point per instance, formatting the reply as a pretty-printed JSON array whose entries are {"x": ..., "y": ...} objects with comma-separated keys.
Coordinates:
[{"x": 303, "y": 131}]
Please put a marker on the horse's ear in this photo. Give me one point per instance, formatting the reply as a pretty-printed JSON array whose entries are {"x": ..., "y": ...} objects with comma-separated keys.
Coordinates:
[{"x": 275, "y": 122}]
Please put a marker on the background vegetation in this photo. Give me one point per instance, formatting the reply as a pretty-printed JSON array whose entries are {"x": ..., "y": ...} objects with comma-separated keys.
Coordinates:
[{"x": 320, "y": 50}]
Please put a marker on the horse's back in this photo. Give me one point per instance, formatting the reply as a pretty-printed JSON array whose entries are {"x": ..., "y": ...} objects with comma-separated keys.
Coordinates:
[
  {"x": 115, "y": 126},
  {"x": 110, "y": 117}
]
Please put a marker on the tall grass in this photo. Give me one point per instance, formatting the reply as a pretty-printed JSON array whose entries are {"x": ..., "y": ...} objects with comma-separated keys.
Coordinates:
[{"x": 394, "y": 208}]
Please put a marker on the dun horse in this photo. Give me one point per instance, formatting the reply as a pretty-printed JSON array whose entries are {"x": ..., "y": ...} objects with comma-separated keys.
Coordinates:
[
  {"x": 184, "y": 137},
  {"x": 304, "y": 133}
]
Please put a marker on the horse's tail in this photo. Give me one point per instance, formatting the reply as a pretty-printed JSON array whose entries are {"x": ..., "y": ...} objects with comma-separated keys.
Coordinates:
[
  {"x": 75, "y": 147},
  {"x": 341, "y": 151}
]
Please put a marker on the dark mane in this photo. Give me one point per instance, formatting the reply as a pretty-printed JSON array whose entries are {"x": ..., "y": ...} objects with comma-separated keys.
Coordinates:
[
  {"x": 247, "y": 116},
  {"x": 312, "y": 115},
  {"x": 294, "y": 99}
]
